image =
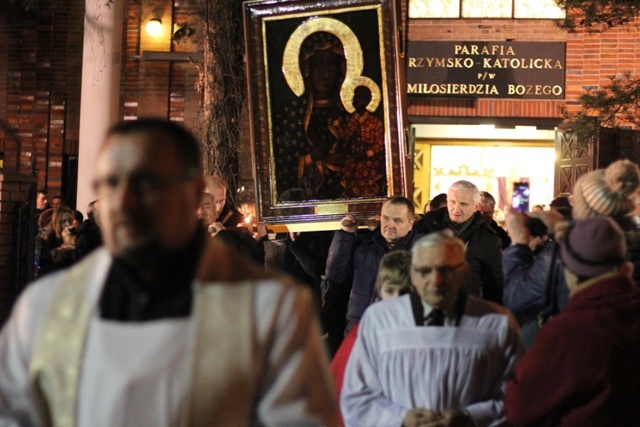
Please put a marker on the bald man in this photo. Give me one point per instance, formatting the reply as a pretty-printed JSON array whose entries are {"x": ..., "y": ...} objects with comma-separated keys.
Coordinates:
[{"x": 227, "y": 214}]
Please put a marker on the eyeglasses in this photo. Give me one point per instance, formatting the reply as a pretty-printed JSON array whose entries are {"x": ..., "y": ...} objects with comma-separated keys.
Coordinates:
[
  {"x": 443, "y": 270},
  {"x": 140, "y": 183}
]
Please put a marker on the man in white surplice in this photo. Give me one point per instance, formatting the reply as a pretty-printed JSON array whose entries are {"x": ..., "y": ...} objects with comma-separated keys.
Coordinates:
[
  {"x": 163, "y": 326},
  {"x": 434, "y": 358}
]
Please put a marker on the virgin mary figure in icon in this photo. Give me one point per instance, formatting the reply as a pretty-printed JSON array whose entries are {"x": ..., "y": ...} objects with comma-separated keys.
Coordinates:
[{"x": 308, "y": 152}]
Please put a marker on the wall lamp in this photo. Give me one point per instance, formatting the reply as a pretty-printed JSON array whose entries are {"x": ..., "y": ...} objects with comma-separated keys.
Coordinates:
[{"x": 154, "y": 27}]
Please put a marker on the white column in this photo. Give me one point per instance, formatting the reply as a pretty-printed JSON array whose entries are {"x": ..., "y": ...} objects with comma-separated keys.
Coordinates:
[{"x": 99, "y": 104}]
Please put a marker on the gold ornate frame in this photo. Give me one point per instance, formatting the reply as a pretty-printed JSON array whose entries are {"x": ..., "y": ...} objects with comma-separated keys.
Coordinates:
[{"x": 372, "y": 56}]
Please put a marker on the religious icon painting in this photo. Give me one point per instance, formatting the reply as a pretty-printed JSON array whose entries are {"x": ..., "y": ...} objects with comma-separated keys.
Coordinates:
[{"x": 326, "y": 107}]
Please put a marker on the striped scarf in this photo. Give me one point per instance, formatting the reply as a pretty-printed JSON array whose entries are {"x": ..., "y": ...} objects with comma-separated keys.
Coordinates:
[{"x": 457, "y": 228}]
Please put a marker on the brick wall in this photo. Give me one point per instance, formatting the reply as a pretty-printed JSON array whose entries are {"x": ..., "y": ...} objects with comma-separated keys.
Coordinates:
[
  {"x": 41, "y": 72},
  {"x": 163, "y": 88}
]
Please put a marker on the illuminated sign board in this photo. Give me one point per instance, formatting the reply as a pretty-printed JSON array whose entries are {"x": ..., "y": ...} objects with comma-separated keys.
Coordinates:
[{"x": 482, "y": 69}]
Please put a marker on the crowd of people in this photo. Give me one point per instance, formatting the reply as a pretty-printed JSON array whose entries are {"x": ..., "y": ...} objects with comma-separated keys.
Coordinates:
[{"x": 436, "y": 319}]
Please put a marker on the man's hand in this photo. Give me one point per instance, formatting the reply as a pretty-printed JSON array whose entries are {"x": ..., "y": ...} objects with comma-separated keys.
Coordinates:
[
  {"x": 517, "y": 228},
  {"x": 457, "y": 418},
  {"x": 261, "y": 231},
  {"x": 254, "y": 229},
  {"x": 349, "y": 224},
  {"x": 422, "y": 417},
  {"x": 551, "y": 218},
  {"x": 372, "y": 222},
  {"x": 449, "y": 418},
  {"x": 215, "y": 227},
  {"x": 537, "y": 241}
]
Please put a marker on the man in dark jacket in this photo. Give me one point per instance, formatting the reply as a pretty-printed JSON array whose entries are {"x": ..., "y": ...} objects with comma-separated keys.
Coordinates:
[
  {"x": 238, "y": 238},
  {"x": 487, "y": 207},
  {"x": 360, "y": 254},
  {"x": 227, "y": 214},
  {"x": 534, "y": 284},
  {"x": 88, "y": 234},
  {"x": 483, "y": 246}
]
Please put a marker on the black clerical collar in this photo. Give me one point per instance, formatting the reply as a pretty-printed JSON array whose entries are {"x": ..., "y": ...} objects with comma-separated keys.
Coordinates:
[
  {"x": 420, "y": 313},
  {"x": 166, "y": 293}
]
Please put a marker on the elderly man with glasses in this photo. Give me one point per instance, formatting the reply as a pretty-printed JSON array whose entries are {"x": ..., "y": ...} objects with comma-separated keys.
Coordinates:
[{"x": 438, "y": 357}]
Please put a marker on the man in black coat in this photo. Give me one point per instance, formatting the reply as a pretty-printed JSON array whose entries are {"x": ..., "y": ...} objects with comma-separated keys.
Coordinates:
[
  {"x": 88, "y": 234},
  {"x": 227, "y": 214},
  {"x": 487, "y": 207},
  {"x": 239, "y": 238},
  {"x": 357, "y": 255},
  {"x": 483, "y": 246}
]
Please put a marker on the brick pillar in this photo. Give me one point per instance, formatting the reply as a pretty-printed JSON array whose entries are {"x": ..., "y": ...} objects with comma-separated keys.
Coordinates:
[{"x": 17, "y": 196}]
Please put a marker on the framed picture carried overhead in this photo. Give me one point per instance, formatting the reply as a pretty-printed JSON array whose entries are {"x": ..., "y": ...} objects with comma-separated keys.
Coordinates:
[{"x": 326, "y": 106}]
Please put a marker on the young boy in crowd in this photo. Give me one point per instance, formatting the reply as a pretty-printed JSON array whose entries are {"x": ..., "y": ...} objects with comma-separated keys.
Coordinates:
[{"x": 393, "y": 279}]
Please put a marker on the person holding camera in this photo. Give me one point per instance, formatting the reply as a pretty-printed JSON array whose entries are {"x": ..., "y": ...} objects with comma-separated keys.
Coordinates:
[
  {"x": 58, "y": 245},
  {"x": 535, "y": 287}
]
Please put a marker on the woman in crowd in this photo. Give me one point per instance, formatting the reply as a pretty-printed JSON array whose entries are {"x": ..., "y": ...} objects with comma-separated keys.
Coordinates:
[{"x": 58, "y": 242}]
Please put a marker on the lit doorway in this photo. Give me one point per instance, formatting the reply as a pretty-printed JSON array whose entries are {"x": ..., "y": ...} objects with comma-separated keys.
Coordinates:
[{"x": 493, "y": 159}]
